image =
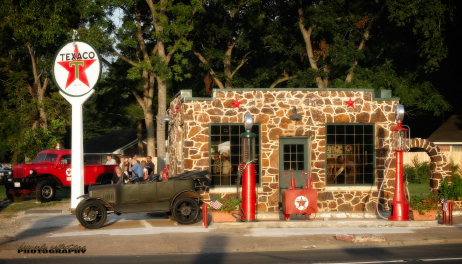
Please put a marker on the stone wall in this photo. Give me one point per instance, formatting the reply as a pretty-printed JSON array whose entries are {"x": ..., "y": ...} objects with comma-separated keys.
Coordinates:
[{"x": 272, "y": 108}]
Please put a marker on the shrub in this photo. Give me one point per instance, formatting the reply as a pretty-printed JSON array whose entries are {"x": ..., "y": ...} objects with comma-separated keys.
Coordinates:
[
  {"x": 453, "y": 191},
  {"x": 419, "y": 173}
]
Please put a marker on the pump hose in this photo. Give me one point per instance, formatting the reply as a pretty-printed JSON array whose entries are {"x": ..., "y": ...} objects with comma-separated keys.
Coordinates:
[
  {"x": 381, "y": 185},
  {"x": 380, "y": 189},
  {"x": 240, "y": 216}
]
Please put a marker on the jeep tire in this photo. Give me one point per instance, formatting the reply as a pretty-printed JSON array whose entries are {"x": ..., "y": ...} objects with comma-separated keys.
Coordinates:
[
  {"x": 9, "y": 195},
  {"x": 185, "y": 210},
  {"x": 45, "y": 191}
]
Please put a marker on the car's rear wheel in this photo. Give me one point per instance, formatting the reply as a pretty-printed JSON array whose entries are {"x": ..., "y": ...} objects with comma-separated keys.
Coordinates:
[
  {"x": 91, "y": 214},
  {"x": 185, "y": 210},
  {"x": 45, "y": 191}
]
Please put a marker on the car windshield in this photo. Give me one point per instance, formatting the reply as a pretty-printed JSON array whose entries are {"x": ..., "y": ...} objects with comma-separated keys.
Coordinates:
[
  {"x": 40, "y": 157},
  {"x": 46, "y": 157}
]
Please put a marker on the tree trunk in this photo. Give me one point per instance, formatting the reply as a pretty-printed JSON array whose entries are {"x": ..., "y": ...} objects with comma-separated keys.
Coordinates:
[
  {"x": 139, "y": 136},
  {"x": 37, "y": 90},
  {"x": 161, "y": 113},
  {"x": 320, "y": 82}
]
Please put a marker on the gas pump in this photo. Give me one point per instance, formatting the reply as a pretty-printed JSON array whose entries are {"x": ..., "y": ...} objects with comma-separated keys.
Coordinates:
[
  {"x": 247, "y": 167},
  {"x": 399, "y": 143}
]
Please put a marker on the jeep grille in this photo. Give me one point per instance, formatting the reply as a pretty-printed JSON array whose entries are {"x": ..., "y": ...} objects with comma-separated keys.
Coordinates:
[
  {"x": 19, "y": 173},
  {"x": 109, "y": 196}
]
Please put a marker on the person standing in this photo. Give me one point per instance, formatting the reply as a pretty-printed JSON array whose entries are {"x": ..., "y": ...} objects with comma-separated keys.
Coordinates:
[{"x": 150, "y": 165}]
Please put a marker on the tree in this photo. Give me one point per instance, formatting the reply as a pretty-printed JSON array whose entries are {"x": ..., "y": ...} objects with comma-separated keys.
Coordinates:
[
  {"x": 31, "y": 33},
  {"x": 225, "y": 37},
  {"x": 350, "y": 43},
  {"x": 151, "y": 39}
]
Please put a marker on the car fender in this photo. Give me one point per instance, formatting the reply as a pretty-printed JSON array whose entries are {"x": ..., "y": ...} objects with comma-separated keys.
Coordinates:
[
  {"x": 99, "y": 200},
  {"x": 39, "y": 177},
  {"x": 103, "y": 175},
  {"x": 187, "y": 193}
]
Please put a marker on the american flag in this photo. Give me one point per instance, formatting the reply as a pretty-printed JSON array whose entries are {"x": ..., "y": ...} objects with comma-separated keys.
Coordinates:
[
  {"x": 445, "y": 204},
  {"x": 215, "y": 203}
]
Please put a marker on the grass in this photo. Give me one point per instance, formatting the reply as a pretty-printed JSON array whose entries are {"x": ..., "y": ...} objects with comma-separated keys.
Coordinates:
[
  {"x": 419, "y": 189},
  {"x": 10, "y": 210}
]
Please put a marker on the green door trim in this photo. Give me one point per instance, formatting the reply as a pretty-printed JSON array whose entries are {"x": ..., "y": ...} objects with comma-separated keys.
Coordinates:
[{"x": 306, "y": 141}]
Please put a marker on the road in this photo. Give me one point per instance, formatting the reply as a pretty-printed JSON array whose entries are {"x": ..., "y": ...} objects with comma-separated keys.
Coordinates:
[{"x": 442, "y": 253}]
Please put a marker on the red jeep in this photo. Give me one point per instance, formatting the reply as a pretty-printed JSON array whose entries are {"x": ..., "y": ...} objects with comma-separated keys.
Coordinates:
[{"x": 51, "y": 170}]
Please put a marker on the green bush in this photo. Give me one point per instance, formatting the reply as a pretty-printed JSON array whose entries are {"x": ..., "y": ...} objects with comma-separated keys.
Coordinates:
[
  {"x": 419, "y": 173},
  {"x": 453, "y": 191}
]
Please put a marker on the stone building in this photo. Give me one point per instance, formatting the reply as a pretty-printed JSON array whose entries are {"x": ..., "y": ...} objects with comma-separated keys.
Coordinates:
[{"x": 341, "y": 137}]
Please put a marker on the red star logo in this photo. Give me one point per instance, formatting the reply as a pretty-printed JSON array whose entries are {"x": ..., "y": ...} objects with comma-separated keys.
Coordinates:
[
  {"x": 301, "y": 203},
  {"x": 76, "y": 68},
  {"x": 177, "y": 108},
  {"x": 236, "y": 103},
  {"x": 350, "y": 103}
]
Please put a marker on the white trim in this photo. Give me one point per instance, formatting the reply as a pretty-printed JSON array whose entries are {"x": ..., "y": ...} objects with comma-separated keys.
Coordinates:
[
  {"x": 447, "y": 143},
  {"x": 230, "y": 190},
  {"x": 350, "y": 188}
]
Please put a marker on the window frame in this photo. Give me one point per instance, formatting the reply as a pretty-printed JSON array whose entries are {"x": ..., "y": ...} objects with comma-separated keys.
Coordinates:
[
  {"x": 374, "y": 171},
  {"x": 235, "y": 169}
]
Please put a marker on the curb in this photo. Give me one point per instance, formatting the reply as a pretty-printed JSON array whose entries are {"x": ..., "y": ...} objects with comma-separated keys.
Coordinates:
[{"x": 324, "y": 224}]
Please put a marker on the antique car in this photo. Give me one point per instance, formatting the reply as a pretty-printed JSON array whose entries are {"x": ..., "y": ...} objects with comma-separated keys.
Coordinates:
[{"x": 177, "y": 195}]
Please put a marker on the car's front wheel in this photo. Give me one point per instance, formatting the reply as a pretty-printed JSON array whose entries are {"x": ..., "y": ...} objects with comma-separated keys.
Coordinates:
[
  {"x": 45, "y": 191},
  {"x": 91, "y": 214},
  {"x": 185, "y": 210}
]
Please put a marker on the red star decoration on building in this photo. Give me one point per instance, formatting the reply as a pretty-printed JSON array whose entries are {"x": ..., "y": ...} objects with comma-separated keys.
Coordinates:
[
  {"x": 76, "y": 69},
  {"x": 350, "y": 103},
  {"x": 177, "y": 108},
  {"x": 236, "y": 103}
]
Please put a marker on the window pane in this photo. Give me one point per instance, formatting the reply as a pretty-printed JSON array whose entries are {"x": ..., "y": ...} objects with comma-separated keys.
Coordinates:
[
  {"x": 350, "y": 154},
  {"x": 229, "y": 134}
]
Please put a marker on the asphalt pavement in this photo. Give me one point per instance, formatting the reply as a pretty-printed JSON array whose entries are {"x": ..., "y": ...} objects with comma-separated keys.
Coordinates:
[{"x": 147, "y": 234}]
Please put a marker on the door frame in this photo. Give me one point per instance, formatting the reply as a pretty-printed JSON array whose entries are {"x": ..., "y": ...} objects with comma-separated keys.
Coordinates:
[{"x": 307, "y": 142}]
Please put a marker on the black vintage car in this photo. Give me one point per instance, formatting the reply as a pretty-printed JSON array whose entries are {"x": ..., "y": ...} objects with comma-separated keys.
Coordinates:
[{"x": 177, "y": 195}]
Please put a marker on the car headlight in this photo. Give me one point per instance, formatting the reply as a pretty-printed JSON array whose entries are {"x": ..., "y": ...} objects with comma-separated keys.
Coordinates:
[
  {"x": 31, "y": 172},
  {"x": 10, "y": 173}
]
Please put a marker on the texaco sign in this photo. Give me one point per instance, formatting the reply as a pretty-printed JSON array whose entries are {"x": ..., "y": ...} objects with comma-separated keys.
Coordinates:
[{"x": 76, "y": 68}]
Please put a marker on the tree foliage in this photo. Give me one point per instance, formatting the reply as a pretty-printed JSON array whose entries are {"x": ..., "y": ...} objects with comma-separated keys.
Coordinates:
[{"x": 33, "y": 117}]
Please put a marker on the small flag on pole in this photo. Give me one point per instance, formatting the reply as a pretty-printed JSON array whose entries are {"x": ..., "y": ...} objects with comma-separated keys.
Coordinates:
[
  {"x": 445, "y": 204},
  {"x": 215, "y": 203}
]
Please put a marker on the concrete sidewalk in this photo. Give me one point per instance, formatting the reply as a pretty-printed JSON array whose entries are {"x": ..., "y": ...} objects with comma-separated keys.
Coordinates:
[{"x": 141, "y": 234}]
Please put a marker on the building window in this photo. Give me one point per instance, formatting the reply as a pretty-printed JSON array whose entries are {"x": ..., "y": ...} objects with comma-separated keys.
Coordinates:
[
  {"x": 225, "y": 153},
  {"x": 350, "y": 154}
]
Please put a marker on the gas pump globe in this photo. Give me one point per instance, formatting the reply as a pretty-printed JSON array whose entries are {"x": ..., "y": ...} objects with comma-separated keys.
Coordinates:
[
  {"x": 399, "y": 143},
  {"x": 248, "y": 174},
  {"x": 248, "y": 141}
]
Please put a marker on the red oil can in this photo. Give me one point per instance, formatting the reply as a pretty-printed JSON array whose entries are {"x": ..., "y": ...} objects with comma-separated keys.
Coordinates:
[{"x": 299, "y": 201}]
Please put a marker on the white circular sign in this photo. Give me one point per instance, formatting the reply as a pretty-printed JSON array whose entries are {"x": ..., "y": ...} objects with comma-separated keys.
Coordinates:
[
  {"x": 76, "y": 68},
  {"x": 68, "y": 172},
  {"x": 301, "y": 203}
]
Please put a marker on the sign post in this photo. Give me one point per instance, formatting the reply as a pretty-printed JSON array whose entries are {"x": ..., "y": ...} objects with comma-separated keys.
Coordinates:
[{"x": 76, "y": 71}]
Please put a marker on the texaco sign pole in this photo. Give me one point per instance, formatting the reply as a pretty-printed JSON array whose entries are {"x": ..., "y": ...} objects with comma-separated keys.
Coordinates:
[{"x": 76, "y": 71}]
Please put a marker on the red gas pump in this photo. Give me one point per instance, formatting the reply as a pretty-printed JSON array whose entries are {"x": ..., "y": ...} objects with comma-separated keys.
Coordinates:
[
  {"x": 249, "y": 199},
  {"x": 399, "y": 143},
  {"x": 299, "y": 201}
]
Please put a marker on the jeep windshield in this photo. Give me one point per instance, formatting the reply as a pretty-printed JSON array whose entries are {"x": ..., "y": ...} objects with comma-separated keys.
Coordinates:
[{"x": 44, "y": 157}]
